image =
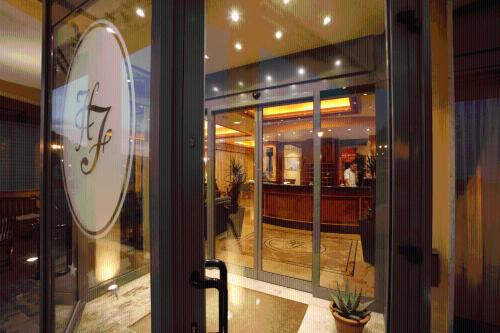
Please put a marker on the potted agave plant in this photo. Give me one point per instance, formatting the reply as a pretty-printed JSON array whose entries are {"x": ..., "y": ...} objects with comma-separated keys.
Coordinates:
[{"x": 350, "y": 314}]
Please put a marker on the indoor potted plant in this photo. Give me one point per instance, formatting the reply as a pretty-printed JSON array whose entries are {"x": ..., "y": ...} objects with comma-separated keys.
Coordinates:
[
  {"x": 237, "y": 178},
  {"x": 350, "y": 314}
]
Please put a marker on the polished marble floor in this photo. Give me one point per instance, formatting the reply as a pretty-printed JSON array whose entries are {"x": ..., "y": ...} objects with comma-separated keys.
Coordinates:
[
  {"x": 288, "y": 252},
  {"x": 254, "y": 306}
]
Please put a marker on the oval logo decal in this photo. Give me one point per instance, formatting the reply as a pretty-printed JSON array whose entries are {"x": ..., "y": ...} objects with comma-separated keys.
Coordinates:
[{"x": 98, "y": 129}]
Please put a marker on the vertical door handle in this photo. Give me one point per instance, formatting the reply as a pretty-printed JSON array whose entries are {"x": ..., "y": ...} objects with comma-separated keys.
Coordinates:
[{"x": 219, "y": 284}]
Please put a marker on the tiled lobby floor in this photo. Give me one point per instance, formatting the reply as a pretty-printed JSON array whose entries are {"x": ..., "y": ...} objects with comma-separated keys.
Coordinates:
[
  {"x": 288, "y": 252},
  {"x": 254, "y": 306}
]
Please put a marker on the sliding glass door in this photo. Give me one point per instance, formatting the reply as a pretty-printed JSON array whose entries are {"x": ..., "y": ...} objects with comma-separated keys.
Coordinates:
[
  {"x": 234, "y": 183},
  {"x": 353, "y": 215},
  {"x": 286, "y": 190}
]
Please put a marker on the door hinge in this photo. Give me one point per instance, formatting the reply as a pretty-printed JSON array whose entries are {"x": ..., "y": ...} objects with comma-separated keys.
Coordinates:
[
  {"x": 413, "y": 254},
  {"x": 410, "y": 19}
]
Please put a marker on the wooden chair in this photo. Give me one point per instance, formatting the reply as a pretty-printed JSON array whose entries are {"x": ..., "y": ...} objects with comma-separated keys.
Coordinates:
[{"x": 6, "y": 235}]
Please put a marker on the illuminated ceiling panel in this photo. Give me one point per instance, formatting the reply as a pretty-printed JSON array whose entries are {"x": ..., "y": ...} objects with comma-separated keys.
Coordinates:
[{"x": 337, "y": 105}]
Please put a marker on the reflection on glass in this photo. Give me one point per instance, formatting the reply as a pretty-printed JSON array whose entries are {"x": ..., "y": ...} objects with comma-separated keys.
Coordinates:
[
  {"x": 287, "y": 190},
  {"x": 101, "y": 243},
  {"x": 234, "y": 187}
]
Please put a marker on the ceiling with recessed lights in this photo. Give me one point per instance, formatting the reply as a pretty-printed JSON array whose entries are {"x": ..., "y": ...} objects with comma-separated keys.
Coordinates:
[
  {"x": 237, "y": 127},
  {"x": 241, "y": 32},
  {"x": 237, "y": 32}
]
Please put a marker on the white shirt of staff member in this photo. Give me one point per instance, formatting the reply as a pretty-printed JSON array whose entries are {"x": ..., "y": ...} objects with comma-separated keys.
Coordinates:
[{"x": 350, "y": 175}]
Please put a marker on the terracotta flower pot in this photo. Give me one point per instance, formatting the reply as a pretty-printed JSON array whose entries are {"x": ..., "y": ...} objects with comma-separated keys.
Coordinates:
[{"x": 345, "y": 325}]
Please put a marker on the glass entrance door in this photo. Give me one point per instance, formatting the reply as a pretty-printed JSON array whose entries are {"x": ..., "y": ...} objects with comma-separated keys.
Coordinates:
[{"x": 100, "y": 167}]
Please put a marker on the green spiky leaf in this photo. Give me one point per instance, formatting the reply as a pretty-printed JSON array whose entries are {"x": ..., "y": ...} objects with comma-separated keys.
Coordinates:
[{"x": 348, "y": 303}]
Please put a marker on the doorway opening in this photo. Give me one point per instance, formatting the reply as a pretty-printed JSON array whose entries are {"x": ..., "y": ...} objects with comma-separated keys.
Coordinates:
[{"x": 297, "y": 147}]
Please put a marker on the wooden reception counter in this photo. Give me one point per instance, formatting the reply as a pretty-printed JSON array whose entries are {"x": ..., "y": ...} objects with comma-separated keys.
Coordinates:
[{"x": 292, "y": 206}]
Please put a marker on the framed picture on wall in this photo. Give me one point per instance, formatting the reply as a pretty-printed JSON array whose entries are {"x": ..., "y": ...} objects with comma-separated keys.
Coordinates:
[{"x": 292, "y": 164}]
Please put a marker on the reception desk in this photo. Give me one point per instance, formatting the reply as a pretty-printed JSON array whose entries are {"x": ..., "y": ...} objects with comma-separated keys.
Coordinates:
[{"x": 292, "y": 206}]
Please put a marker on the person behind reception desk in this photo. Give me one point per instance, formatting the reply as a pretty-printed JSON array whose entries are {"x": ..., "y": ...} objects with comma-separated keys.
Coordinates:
[{"x": 350, "y": 175}]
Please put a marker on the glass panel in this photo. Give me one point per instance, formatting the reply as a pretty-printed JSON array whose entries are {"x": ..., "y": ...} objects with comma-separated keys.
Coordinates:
[
  {"x": 234, "y": 187},
  {"x": 287, "y": 190},
  {"x": 20, "y": 79},
  {"x": 100, "y": 166},
  {"x": 349, "y": 156}
]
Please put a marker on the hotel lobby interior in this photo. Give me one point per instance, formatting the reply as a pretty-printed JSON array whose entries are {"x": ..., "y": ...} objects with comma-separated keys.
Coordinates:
[{"x": 347, "y": 237}]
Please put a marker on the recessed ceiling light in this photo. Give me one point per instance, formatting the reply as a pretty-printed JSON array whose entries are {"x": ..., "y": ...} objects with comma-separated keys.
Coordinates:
[
  {"x": 140, "y": 12},
  {"x": 278, "y": 34},
  {"x": 310, "y": 131},
  {"x": 240, "y": 83},
  {"x": 286, "y": 2},
  {"x": 301, "y": 71},
  {"x": 207, "y": 57},
  {"x": 269, "y": 78},
  {"x": 329, "y": 130},
  {"x": 215, "y": 89},
  {"x": 236, "y": 122},
  {"x": 349, "y": 129},
  {"x": 238, "y": 46},
  {"x": 327, "y": 20},
  {"x": 234, "y": 15},
  {"x": 365, "y": 94},
  {"x": 338, "y": 62}
]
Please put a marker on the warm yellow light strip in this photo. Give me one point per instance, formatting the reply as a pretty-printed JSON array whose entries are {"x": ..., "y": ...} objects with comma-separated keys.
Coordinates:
[
  {"x": 342, "y": 104},
  {"x": 246, "y": 143},
  {"x": 221, "y": 130},
  {"x": 336, "y": 105}
]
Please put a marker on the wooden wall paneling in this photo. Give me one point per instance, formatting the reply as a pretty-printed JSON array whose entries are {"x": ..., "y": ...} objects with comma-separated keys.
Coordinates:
[{"x": 443, "y": 162}]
